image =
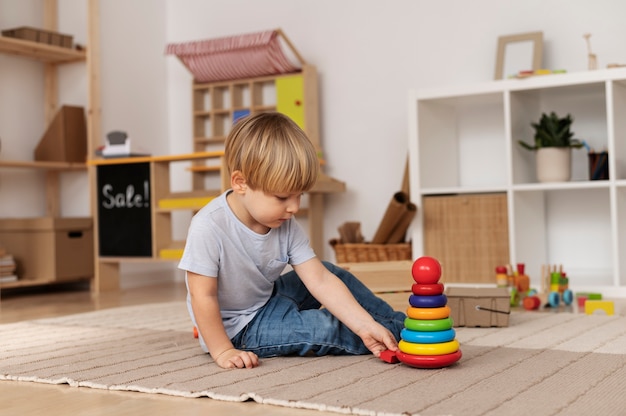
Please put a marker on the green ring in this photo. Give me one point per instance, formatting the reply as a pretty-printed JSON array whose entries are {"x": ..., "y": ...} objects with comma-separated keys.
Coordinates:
[{"x": 428, "y": 325}]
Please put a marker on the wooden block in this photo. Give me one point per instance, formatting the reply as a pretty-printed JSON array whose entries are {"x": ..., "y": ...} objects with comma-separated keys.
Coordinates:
[
  {"x": 599, "y": 305},
  {"x": 383, "y": 276}
]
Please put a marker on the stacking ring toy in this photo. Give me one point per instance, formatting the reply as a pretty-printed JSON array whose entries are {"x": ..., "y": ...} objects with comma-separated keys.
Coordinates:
[
  {"x": 435, "y": 301},
  {"x": 428, "y": 313},
  {"x": 432, "y": 337},
  {"x": 428, "y": 325},
  {"x": 429, "y": 361},
  {"x": 427, "y": 290},
  {"x": 442, "y": 348}
]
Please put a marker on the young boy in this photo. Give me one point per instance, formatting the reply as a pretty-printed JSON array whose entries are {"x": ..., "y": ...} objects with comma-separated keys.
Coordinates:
[{"x": 239, "y": 244}]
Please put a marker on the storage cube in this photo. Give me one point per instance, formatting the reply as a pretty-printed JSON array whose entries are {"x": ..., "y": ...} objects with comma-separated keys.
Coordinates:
[
  {"x": 482, "y": 307},
  {"x": 49, "y": 249}
]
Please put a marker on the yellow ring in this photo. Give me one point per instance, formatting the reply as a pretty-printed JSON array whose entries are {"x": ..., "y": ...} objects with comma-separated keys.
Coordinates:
[
  {"x": 428, "y": 313},
  {"x": 428, "y": 349}
]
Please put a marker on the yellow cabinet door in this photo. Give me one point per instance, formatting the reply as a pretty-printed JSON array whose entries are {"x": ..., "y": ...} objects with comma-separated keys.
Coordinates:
[{"x": 290, "y": 98}]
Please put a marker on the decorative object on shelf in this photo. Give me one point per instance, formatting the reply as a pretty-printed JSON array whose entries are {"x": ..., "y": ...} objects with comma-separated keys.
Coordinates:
[
  {"x": 41, "y": 36},
  {"x": 65, "y": 139},
  {"x": 553, "y": 143},
  {"x": 598, "y": 165},
  {"x": 237, "y": 57},
  {"x": 518, "y": 52},
  {"x": 593, "y": 61}
]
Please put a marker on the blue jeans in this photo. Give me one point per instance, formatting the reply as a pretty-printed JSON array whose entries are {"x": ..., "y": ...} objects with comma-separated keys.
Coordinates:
[{"x": 292, "y": 322}]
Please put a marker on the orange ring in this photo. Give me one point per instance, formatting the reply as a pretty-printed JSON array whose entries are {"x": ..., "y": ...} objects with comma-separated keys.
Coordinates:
[{"x": 428, "y": 313}]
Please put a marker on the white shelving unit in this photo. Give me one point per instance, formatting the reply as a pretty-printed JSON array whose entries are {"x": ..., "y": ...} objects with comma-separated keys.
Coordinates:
[{"x": 464, "y": 140}]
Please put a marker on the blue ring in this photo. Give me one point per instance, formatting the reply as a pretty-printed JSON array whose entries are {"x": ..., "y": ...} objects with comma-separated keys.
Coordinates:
[
  {"x": 435, "y": 301},
  {"x": 433, "y": 337}
]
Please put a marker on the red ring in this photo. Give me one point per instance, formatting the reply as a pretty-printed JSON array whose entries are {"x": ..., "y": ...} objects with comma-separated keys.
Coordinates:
[
  {"x": 427, "y": 290},
  {"x": 429, "y": 361}
]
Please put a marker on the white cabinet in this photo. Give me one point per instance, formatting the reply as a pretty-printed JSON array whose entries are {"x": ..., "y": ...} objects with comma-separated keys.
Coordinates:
[{"x": 464, "y": 140}]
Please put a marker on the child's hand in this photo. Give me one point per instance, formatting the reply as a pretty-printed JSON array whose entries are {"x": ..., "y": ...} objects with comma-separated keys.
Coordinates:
[
  {"x": 234, "y": 358},
  {"x": 377, "y": 339}
]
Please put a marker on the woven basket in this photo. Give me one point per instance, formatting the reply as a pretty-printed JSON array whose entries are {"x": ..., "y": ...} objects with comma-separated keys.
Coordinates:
[{"x": 368, "y": 252}]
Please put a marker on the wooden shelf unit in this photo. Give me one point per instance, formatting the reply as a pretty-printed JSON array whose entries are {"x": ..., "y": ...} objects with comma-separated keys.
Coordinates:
[
  {"x": 162, "y": 204},
  {"x": 52, "y": 57},
  {"x": 40, "y": 51},
  {"x": 217, "y": 105},
  {"x": 464, "y": 141}
]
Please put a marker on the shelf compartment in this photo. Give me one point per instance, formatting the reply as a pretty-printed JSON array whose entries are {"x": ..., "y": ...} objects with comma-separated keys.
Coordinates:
[
  {"x": 175, "y": 252},
  {"x": 587, "y": 104},
  {"x": 59, "y": 166},
  {"x": 185, "y": 201},
  {"x": 570, "y": 227},
  {"x": 461, "y": 141}
]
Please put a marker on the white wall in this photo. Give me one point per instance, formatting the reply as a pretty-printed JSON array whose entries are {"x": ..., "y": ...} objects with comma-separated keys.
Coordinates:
[{"x": 368, "y": 55}]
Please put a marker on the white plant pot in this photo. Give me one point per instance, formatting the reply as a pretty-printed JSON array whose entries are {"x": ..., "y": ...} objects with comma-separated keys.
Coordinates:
[{"x": 554, "y": 164}]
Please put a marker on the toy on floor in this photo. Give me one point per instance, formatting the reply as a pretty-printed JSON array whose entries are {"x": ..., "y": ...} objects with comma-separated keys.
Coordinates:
[
  {"x": 428, "y": 339},
  {"x": 591, "y": 306},
  {"x": 557, "y": 282}
]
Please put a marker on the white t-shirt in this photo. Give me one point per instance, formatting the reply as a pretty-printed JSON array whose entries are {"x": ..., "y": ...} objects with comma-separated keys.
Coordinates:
[{"x": 245, "y": 263}]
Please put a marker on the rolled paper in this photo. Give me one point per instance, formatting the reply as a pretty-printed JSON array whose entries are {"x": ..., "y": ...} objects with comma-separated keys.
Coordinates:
[
  {"x": 395, "y": 211},
  {"x": 398, "y": 234}
]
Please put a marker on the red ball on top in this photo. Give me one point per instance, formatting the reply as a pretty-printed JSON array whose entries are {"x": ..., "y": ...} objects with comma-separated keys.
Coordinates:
[{"x": 426, "y": 270}]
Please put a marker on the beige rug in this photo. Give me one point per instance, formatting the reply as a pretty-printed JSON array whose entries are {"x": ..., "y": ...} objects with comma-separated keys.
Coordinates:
[{"x": 542, "y": 364}]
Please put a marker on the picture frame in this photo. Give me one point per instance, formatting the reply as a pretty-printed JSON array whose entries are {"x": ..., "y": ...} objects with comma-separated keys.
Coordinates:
[{"x": 522, "y": 51}]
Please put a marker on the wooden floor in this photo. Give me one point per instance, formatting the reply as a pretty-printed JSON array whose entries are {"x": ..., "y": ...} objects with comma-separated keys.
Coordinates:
[{"x": 25, "y": 399}]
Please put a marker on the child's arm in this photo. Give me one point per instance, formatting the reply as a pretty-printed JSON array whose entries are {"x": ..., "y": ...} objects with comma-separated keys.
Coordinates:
[
  {"x": 336, "y": 297},
  {"x": 206, "y": 309}
]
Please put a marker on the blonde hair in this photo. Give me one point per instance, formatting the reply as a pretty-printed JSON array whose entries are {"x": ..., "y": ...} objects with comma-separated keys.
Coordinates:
[{"x": 272, "y": 153}]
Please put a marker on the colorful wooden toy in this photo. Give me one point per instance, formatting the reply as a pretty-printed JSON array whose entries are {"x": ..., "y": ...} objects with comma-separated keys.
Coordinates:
[
  {"x": 434, "y": 301},
  {"x": 429, "y": 324},
  {"x": 599, "y": 305},
  {"x": 441, "y": 348},
  {"x": 427, "y": 337},
  {"x": 427, "y": 290},
  {"x": 427, "y": 340},
  {"x": 426, "y": 270},
  {"x": 428, "y": 313},
  {"x": 429, "y": 361}
]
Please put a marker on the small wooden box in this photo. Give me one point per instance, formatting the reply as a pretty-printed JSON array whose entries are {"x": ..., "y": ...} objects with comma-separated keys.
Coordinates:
[
  {"x": 482, "y": 307},
  {"x": 49, "y": 249}
]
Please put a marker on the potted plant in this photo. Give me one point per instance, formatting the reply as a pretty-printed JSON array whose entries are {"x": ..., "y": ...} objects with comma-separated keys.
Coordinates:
[{"x": 553, "y": 142}]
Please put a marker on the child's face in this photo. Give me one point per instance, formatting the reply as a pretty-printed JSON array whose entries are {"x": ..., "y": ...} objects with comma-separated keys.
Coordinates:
[{"x": 270, "y": 210}]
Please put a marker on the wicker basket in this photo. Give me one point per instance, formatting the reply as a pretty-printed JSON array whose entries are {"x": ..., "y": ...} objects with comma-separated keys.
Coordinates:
[{"x": 367, "y": 252}]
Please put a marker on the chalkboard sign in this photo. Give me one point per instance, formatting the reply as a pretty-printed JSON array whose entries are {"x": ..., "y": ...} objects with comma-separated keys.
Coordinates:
[{"x": 124, "y": 220}]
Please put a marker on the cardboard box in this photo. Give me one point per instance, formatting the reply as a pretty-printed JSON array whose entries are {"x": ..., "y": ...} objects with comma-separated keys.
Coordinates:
[
  {"x": 50, "y": 249},
  {"x": 482, "y": 307}
]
